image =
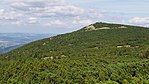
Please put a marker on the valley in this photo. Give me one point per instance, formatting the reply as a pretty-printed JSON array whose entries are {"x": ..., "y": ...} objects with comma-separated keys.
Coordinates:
[{"x": 10, "y": 41}]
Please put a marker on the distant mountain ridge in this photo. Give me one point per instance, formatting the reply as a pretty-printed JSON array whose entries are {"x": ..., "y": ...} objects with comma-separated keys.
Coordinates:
[{"x": 10, "y": 41}]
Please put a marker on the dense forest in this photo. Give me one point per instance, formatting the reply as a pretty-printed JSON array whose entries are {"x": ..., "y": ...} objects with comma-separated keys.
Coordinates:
[{"x": 101, "y": 53}]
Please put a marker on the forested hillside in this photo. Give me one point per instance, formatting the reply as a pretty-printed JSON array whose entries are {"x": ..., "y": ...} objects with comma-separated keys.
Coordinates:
[{"x": 100, "y": 53}]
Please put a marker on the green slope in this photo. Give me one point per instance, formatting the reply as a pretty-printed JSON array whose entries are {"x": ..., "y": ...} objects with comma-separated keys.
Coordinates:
[{"x": 99, "y": 53}]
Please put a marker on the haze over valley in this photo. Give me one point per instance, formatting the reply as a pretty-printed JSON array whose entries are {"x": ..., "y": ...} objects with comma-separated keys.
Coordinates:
[{"x": 9, "y": 41}]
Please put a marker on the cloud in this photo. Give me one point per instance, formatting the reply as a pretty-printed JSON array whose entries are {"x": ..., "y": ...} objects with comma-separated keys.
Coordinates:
[
  {"x": 55, "y": 22},
  {"x": 39, "y": 11},
  {"x": 47, "y": 8},
  {"x": 9, "y": 15},
  {"x": 32, "y": 20},
  {"x": 79, "y": 20},
  {"x": 139, "y": 20},
  {"x": 64, "y": 10},
  {"x": 29, "y": 1},
  {"x": 143, "y": 21},
  {"x": 47, "y": 13},
  {"x": 85, "y": 22}
]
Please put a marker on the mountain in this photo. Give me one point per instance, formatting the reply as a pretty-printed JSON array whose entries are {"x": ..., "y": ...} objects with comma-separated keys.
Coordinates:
[
  {"x": 101, "y": 53},
  {"x": 10, "y": 41}
]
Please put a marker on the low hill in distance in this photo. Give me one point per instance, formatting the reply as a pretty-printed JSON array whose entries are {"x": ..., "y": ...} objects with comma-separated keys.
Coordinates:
[
  {"x": 10, "y": 41},
  {"x": 99, "y": 53}
]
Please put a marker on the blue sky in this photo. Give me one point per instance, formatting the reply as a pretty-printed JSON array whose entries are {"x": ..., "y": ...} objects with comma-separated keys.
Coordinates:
[{"x": 61, "y": 16}]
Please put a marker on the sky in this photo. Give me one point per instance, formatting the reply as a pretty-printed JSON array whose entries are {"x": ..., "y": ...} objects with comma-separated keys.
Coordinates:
[{"x": 62, "y": 16}]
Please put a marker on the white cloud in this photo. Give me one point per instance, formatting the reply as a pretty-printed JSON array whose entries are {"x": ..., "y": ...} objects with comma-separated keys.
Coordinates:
[
  {"x": 9, "y": 15},
  {"x": 55, "y": 22},
  {"x": 11, "y": 23},
  {"x": 139, "y": 20},
  {"x": 49, "y": 1},
  {"x": 27, "y": 11},
  {"x": 32, "y": 20},
  {"x": 47, "y": 9},
  {"x": 92, "y": 13},
  {"x": 47, "y": 12},
  {"x": 82, "y": 22},
  {"x": 85, "y": 22},
  {"x": 64, "y": 10}
]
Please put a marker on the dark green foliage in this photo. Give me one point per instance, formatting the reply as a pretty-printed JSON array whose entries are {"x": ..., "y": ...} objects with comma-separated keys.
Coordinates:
[{"x": 104, "y": 56}]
